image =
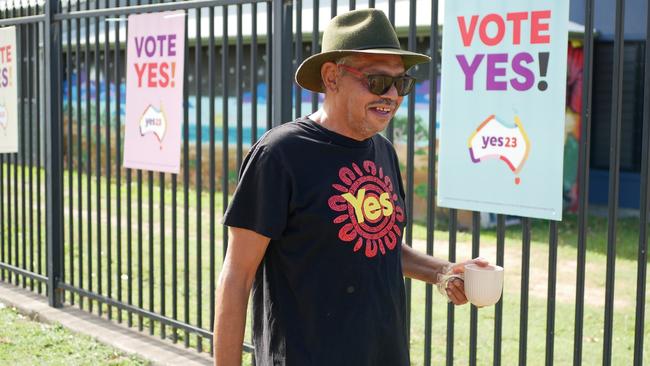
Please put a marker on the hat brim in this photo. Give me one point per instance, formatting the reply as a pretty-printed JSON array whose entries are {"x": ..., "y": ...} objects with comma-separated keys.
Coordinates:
[{"x": 308, "y": 73}]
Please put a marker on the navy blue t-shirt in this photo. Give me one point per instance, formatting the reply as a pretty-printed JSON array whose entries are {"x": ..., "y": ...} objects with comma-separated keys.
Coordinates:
[{"x": 330, "y": 288}]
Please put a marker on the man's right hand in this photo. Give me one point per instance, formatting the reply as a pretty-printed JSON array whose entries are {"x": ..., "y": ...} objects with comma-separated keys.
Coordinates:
[{"x": 246, "y": 249}]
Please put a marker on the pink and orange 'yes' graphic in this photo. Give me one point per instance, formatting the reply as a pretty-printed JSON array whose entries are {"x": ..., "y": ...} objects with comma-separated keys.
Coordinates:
[{"x": 368, "y": 209}]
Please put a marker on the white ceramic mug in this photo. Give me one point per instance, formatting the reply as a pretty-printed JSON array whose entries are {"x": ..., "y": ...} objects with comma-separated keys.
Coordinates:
[{"x": 483, "y": 285}]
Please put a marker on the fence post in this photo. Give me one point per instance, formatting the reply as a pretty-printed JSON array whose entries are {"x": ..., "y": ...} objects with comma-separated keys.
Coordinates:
[
  {"x": 53, "y": 155},
  {"x": 282, "y": 61}
]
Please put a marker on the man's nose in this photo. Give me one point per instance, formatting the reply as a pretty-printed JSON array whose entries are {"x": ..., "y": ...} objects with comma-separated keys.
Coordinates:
[{"x": 391, "y": 93}]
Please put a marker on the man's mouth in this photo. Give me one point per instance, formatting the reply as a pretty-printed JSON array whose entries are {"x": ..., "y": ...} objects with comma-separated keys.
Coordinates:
[{"x": 382, "y": 110}]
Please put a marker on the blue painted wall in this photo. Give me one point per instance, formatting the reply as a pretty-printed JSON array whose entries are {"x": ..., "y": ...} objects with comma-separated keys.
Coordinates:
[{"x": 629, "y": 188}]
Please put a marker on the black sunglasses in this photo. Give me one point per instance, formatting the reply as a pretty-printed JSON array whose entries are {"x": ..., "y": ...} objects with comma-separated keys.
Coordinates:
[{"x": 380, "y": 84}]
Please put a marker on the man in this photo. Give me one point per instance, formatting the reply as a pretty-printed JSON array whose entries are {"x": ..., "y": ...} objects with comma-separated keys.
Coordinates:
[{"x": 316, "y": 222}]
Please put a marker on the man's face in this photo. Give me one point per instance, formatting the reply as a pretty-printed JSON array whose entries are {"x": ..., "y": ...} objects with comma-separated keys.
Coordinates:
[{"x": 365, "y": 113}]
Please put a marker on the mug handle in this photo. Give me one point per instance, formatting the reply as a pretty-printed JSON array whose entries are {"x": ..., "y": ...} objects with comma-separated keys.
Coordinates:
[{"x": 443, "y": 282}]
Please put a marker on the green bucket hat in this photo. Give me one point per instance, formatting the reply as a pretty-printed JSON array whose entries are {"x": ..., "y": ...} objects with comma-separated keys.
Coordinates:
[{"x": 355, "y": 32}]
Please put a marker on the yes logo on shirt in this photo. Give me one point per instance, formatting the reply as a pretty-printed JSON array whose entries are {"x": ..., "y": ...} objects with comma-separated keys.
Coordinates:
[{"x": 368, "y": 209}]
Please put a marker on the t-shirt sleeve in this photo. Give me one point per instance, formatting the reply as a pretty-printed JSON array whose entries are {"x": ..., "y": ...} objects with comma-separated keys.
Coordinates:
[{"x": 261, "y": 199}]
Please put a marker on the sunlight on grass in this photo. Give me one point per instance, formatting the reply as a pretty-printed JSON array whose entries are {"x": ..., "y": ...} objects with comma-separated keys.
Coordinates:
[{"x": 26, "y": 342}]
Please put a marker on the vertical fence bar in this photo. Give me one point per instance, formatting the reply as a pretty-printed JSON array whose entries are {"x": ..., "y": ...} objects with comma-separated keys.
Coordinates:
[
  {"x": 9, "y": 229},
  {"x": 53, "y": 158},
  {"x": 29, "y": 122},
  {"x": 198, "y": 48},
  {"x": 24, "y": 110},
  {"x": 80, "y": 164},
  {"x": 333, "y": 9},
  {"x": 550, "y": 298},
  {"x": 16, "y": 12},
  {"x": 98, "y": 164},
  {"x": 212, "y": 164},
  {"x": 583, "y": 180},
  {"x": 498, "y": 309},
  {"x": 118, "y": 168},
  {"x": 390, "y": 130},
  {"x": 6, "y": 232},
  {"x": 431, "y": 174},
  {"x": 24, "y": 86},
  {"x": 525, "y": 274},
  {"x": 129, "y": 246},
  {"x": 11, "y": 187},
  {"x": 10, "y": 164},
  {"x": 26, "y": 53},
  {"x": 282, "y": 34},
  {"x": 239, "y": 58},
  {"x": 39, "y": 231},
  {"x": 186, "y": 195},
  {"x": 174, "y": 253},
  {"x": 453, "y": 229},
  {"x": 161, "y": 179},
  {"x": 139, "y": 248},
  {"x": 32, "y": 31},
  {"x": 315, "y": 34},
  {"x": 473, "y": 313},
  {"x": 174, "y": 208},
  {"x": 253, "y": 74},
  {"x": 19, "y": 197},
  {"x": 70, "y": 153},
  {"x": 269, "y": 67},
  {"x": 614, "y": 164},
  {"x": 33, "y": 49},
  {"x": 297, "y": 90},
  {"x": 410, "y": 166},
  {"x": 642, "y": 256},
  {"x": 224, "y": 139},
  {"x": 17, "y": 159},
  {"x": 108, "y": 155},
  {"x": 89, "y": 257},
  {"x": 129, "y": 237},
  {"x": 150, "y": 250}
]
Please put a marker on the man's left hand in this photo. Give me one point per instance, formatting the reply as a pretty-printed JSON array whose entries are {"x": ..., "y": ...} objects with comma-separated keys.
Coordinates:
[{"x": 456, "y": 286}]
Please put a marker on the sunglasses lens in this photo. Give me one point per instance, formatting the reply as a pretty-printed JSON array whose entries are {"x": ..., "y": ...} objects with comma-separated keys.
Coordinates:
[
  {"x": 404, "y": 85},
  {"x": 379, "y": 84}
]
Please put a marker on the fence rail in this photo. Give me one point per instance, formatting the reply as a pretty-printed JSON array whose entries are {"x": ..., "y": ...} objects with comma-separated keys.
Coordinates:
[{"x": 145, "y": 249}]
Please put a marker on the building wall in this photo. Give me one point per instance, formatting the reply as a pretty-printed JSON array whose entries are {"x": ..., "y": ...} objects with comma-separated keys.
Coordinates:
[
  {"x": 635, "y": 22},
  {"x": 604, "y": 20}
]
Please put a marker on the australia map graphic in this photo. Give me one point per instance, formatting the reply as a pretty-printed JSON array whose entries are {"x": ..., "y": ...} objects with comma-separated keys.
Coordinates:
[
  {"x": 493, "y": 139},
  {"x": 153, "y": 121}
]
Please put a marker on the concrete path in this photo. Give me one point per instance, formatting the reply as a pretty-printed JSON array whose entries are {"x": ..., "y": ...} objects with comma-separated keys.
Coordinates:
[{"x": 156, "y": 350}]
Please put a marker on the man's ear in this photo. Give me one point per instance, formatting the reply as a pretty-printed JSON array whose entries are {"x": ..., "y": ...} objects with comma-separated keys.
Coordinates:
[{"x": 328, "y": 73}]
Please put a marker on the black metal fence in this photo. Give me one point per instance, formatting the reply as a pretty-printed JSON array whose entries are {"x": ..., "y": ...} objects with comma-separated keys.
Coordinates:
[{"x": 145, "y": 248}]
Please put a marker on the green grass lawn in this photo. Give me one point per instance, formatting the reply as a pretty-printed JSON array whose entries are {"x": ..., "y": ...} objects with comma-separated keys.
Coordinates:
[
  {"x": 26, "y": 342},
  {"x": 79, "y": 248}
]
